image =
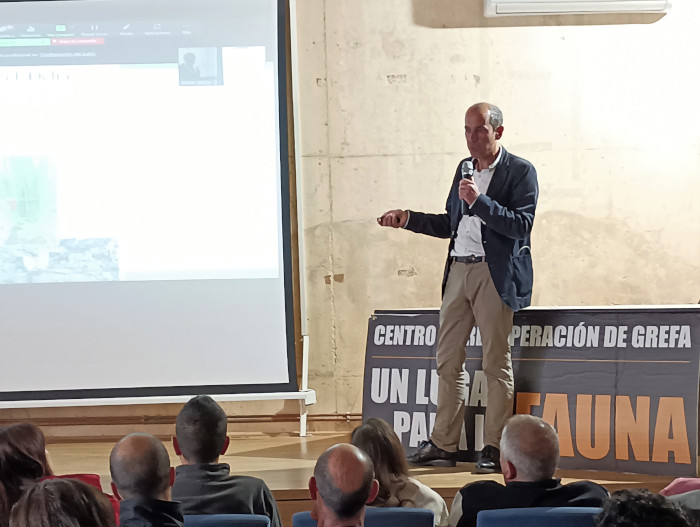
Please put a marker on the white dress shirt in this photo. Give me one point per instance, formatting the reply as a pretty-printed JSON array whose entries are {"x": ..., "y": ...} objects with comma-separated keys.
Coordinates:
[{"x": 468, "y": 240}]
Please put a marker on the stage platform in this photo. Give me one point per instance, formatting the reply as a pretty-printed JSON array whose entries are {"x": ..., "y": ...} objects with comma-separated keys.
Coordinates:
[{"x": 285, "y": 463}]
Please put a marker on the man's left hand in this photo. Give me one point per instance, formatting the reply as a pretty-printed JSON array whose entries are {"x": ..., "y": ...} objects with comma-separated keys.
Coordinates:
[{"x": 468, "y": 191}]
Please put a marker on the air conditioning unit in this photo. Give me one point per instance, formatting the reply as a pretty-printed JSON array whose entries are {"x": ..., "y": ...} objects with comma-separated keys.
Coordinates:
[{"x": 572, "y": 7}]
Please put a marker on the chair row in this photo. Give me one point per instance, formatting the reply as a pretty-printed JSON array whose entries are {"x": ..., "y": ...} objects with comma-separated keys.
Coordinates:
[
  {"x": 409, "y": 517},
  {"x": 530, "y": 517},
  {"x": 227, "y": 520}
]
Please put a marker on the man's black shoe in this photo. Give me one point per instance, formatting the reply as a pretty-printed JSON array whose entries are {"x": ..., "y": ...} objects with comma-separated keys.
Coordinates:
[
  {"x": 489, "y": 460},
  {"x": 428, "y": 455}
]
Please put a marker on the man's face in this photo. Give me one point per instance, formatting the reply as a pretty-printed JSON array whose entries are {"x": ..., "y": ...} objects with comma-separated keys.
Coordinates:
[{"x": 481, "y": 137}]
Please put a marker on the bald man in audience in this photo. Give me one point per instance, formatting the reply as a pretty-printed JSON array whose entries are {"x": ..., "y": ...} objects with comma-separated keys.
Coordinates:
[
  {"x": 529, "y": 457},
  {"x": 140, "y": 469},
  {"x": 342, "y": 484}
]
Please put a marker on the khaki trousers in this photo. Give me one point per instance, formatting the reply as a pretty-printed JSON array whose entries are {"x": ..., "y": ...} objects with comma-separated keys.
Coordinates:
[{"x": 471, "y": 298}]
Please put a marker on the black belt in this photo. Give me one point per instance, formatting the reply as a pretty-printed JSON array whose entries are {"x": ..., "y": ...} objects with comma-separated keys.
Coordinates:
[{"x": 468, "y": 259}]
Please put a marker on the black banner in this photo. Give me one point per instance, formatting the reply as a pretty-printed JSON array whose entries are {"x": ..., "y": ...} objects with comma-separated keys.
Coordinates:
[{"x": 619, "y": 385}]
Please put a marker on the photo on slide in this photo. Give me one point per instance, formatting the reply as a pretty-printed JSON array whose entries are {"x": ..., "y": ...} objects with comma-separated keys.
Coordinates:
[
  {"x": 31, "y": 250},
  {"x": 199, "y": 67}
]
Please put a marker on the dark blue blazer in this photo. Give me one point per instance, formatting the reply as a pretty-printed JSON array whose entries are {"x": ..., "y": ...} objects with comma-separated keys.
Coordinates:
[{"x": 508, "y": 211}]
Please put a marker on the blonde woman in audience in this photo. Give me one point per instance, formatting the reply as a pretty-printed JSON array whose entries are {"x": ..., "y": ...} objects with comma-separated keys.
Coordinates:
[
  {"x": 396, "y": 489},
  {"x": 64, "y": 503}
]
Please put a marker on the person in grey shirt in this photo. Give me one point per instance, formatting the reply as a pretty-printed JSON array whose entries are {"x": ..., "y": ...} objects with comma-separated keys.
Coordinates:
[{"x": 202, "y": 484}]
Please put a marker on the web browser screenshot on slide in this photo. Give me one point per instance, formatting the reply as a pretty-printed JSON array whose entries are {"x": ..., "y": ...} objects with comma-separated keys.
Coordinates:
[{"x": 136, "y": 150}]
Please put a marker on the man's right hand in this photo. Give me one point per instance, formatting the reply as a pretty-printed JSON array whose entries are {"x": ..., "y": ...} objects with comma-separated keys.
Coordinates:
[{"x": 394, "y": 218}]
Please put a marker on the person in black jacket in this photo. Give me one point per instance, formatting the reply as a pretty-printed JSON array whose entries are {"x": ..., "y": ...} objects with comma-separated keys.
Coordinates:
[
  {"x": 202, "y": 484},
  {"x": 529, "y": 456},
  {"x": 140, "y": 469},
  {"x": 488, "y": 275},
  {"x": 341, "y": 487}
]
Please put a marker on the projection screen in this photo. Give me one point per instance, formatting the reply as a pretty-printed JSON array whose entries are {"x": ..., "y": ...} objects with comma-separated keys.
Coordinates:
[{"x": 144, "y": 200}]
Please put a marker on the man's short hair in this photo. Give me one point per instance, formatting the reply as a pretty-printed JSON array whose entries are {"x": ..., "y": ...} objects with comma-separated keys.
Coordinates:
[
  {"x": 532, "y": 446},
  {"x": 201, "y": 429},
  {"x": 495, "y": 116},
  {"x": 640, "y": 508},
  {"x": 140, "y": 466},
  {"x": 343, "y": 504}
]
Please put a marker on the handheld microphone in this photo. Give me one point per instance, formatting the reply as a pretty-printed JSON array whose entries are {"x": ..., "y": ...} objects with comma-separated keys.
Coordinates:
[{"x": 467, "y": 173}]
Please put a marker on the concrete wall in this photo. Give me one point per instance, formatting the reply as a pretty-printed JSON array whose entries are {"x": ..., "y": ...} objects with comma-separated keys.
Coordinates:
[{"x": 606, "y": 107}]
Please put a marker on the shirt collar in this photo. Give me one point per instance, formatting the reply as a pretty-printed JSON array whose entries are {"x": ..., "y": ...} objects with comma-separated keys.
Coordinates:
[
  {"x": 144, "y": 511},
  {"x": 495, "y": 161},
  {"x": 545, "y": 484},
  {"x": 211, "y": 468}
]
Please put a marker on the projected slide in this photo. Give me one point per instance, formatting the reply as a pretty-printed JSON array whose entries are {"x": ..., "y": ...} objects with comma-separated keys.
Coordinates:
[
  {"x": 132, "y": 172},
  {"x": 143, "y": 239}
]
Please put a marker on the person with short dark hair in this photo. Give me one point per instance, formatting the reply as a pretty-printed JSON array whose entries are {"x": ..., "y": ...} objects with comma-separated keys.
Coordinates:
[
  {"x": 529, "y": 456},
  {"x": 64, "y": 503},
  {"x": 202, "y": 484},
  {"x": 640, "y": 508},
  {"x": 140, "y": 469},
  {"x": 396, "y": 489},
  {"x": 342, "y": 484}
]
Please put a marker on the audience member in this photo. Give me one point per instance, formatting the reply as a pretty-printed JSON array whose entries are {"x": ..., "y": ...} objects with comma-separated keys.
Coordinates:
[
  {"x": 62, "y": 503},
  {"x": 23, "y": 462},
  {"x": 640, "y": 508},
  {"x": 529, "y": 457},
  {"x": 140, "y": 468},
  {"x": 342, "y": 484},
  {"x": 202, "y": 484},
  {"x": 681, "y": 486},
  {"x": 396, "y": 489}
]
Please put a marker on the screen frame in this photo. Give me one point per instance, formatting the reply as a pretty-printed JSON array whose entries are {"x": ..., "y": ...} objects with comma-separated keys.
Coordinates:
[{"x": 287, "y": 273}]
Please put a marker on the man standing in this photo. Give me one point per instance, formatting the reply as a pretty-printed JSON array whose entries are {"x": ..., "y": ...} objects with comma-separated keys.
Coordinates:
[{"x": 489, "y": 215}]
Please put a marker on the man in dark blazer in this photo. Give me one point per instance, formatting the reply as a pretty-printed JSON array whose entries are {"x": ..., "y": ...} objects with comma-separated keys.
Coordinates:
[
  {"x": 529, "y": 457},
  {"x": 488, "y": 276}
]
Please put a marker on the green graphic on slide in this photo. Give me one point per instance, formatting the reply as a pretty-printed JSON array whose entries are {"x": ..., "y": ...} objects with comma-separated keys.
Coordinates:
[
  {"x": 28, "y": 214},
  {"x": 31, "y": 250}
]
